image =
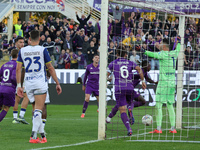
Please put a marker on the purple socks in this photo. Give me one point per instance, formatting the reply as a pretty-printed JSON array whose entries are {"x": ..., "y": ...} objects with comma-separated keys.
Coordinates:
[
  {"x": 125, "y": 120},
  {"x": 85, "y": 105},
  {"x": 113, "y": 112},
  {"x": 2, "y": 115},
  {"x": 137, "y": 103}
]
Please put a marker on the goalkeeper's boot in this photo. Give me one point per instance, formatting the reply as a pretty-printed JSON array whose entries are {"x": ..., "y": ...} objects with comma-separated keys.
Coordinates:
[
  {"x": 131, "y": 118},
  {"x": 15, "y": 121},
  {"x": 83, "y": 115},
  {"x": 22, "y": 120},
  {"x": 156, "y": 131},
  {"x": 34, "y": 140},
  {"x": 130, "y": 132},
  {"x": 44, "y": 140},
  {"x": 174, "y": 131}
]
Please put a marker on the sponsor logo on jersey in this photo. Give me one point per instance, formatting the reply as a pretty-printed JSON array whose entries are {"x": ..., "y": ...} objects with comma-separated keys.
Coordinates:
[{"x": 34, "y": 77}]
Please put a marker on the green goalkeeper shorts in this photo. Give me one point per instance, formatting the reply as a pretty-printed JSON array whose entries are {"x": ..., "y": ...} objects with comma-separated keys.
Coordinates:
[{"x": 165, "y": 94}]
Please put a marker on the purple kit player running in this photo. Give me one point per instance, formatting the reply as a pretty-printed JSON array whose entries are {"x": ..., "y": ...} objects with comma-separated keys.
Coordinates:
[
  {"x": 8, "y": 84},
  {"x": 92, "y": 78},
  {"x": 122, "y": 70},
  {"x": 139, "y": 100}
]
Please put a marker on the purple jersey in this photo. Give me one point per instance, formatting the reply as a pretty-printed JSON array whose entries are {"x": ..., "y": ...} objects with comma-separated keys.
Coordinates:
[
  {"x": 122, "y": 70},
  {"x": 136, "y": 77},
  {"x": 8, "y": 77},
  {"x": 92, "y": 76}
]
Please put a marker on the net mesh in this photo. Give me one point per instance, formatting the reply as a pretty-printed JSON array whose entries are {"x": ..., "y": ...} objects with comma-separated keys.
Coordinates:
[{"x": 143, "y": 26}]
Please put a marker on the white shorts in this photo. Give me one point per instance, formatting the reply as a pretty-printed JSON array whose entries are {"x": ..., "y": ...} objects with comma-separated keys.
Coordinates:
[{"x": 31, "y": 94}]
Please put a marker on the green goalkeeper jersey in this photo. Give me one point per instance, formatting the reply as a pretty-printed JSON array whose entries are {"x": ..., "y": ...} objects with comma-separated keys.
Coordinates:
[{"x": 167, "y": 63}]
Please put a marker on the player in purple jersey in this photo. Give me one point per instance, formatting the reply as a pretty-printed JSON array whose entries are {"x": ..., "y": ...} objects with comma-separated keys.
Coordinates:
[
  {"x": 8, "y": 84},
  {"x": 122, "y": 70},
  {"x": 92, "y": 86},
  {"x": 139, "y": 100}
]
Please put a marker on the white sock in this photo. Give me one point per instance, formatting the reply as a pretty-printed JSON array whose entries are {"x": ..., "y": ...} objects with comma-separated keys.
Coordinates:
[
  {"x": 15, "y": 114},
  {"x": 22, "y": 112},
  {"x": 159, "y": 128},
  {"x": 37, "y": 120},
  {"x": 44, "y": 122},
  {"x": 172, "y": 128}
]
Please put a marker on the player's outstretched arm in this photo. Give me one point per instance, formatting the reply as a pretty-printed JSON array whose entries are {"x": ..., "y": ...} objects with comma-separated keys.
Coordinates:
[
  {"x": 139, "y": 70},
  {"x": 53, "y": 74},
  {"x": 18, "y": 78},
  {"x": 156, "y": 55}
]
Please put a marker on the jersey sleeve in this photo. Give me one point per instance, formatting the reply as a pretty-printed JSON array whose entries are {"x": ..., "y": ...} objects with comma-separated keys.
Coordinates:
[
  {"x": 176, "y": 51},
  {"x": 110, "y": 67},
  {"x": 157, "y": 55},
  {"x": 47, "y": 58},
  {"x": 134, "y": 65},
  {"x": 19, "y": 58},
  {"x": 86, "y": 74}
]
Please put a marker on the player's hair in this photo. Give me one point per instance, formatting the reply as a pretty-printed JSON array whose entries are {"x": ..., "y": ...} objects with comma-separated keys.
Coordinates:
[
  {"x": 166, "y": 42},
  {"x": 95, "y": 55},
  {"x": 121, "y": 52},
  {"x": 19, "y": 38},
  {"x": 14, "y": 53},
  {"x": 144, "y": 63},
  {"x": 35, "y": 35}
]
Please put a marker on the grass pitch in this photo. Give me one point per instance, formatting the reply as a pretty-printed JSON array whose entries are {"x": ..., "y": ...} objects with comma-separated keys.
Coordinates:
[{"x": 67, "y": 131}]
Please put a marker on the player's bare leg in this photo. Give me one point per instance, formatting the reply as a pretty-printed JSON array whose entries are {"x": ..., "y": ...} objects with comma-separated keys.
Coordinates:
[
  {"x": 15, "y": 110},
  {"x": 44, "y": 116},
  {"x": 4, "y": 112},
  {"x": 85, "y": 105},
  {"x": 125, "y": 119},
  {"x": 37, "y": 117},
  {"x": 97, "y": 103},
  {"x": 23, "y": 109}
]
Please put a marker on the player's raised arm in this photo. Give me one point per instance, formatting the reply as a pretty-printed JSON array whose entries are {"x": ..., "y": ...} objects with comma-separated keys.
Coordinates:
[
  {"x": 18, "y": 75},
  {"x": 52, "y": 71},
  {"x": 139, "y": 70}
]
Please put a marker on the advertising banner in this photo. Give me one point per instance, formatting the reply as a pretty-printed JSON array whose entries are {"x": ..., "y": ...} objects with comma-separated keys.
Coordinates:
[
  {"x": 178, "y": 5},
  {"x": 39, "y": 5}
]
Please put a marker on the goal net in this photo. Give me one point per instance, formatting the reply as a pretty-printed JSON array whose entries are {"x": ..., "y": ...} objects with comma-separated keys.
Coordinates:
[{"x": 143, "y": 25}]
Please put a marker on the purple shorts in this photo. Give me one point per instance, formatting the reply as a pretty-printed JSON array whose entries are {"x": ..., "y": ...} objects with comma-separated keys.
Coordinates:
[
  {"x": 7, "y": 99},
  {"x": 89, "y": 90},
  {"x": 124, "y": 97},
  {"x": 135, "y": 94}
]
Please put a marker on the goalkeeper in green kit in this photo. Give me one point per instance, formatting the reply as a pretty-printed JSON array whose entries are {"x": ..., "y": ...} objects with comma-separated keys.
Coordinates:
[{"x": 165, "y": 92}]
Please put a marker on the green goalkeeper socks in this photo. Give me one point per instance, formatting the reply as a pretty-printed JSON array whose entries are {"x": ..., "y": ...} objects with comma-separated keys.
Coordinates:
[
  {"x": 171, "y": 114},
  {"x": 159, "y": 114}
]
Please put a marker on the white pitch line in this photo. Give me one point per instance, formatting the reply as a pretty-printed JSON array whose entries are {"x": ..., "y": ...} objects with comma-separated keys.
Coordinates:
[
  {"x": 87, "y": 142},
  {"x": 76, "y": 144}
]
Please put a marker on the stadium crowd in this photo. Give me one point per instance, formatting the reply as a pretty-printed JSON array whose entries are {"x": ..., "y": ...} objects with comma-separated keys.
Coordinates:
[{"x": 72, "y": 45}]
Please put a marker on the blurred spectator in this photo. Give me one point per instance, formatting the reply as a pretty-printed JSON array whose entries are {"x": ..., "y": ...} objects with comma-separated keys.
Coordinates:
[
  {"x": 46, "y": 34},
  {"x": 61, "y": 62},
  {"x": 81, "y": 60},
  {"x": 86, "y": 45},
  {"x": 135, "y": 58},
  {"x": 116, "y": 30},
  {"x": 42, "y": 40},
  {"x": 73, "y": 60},
  {"x": 41, "y": 29},
  {"x": 18, "y": 28},
  {"x": 79, "y": 38},
  {"x": 83, "y": 20},
  {"x": 90, "y": 28},
  {"x": 130, "y": 40},
  {"x": 4, "y": 28},
  {"x": 68, "y": 43},
  {"x": 117, "y": 13},
  {"x": 111, "y": 52},
  {"x": 49, "y": 45},
  {"x": 188, "y": 59},
  {"x": 27, "y": 29},
  {"x": 197, "y": 59},
  {"x": 67, "y": 59},
  {"x": 126, "y": 30},
  {"x": 35, "y": 24},
  {"x": 91, "y": 51}
]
